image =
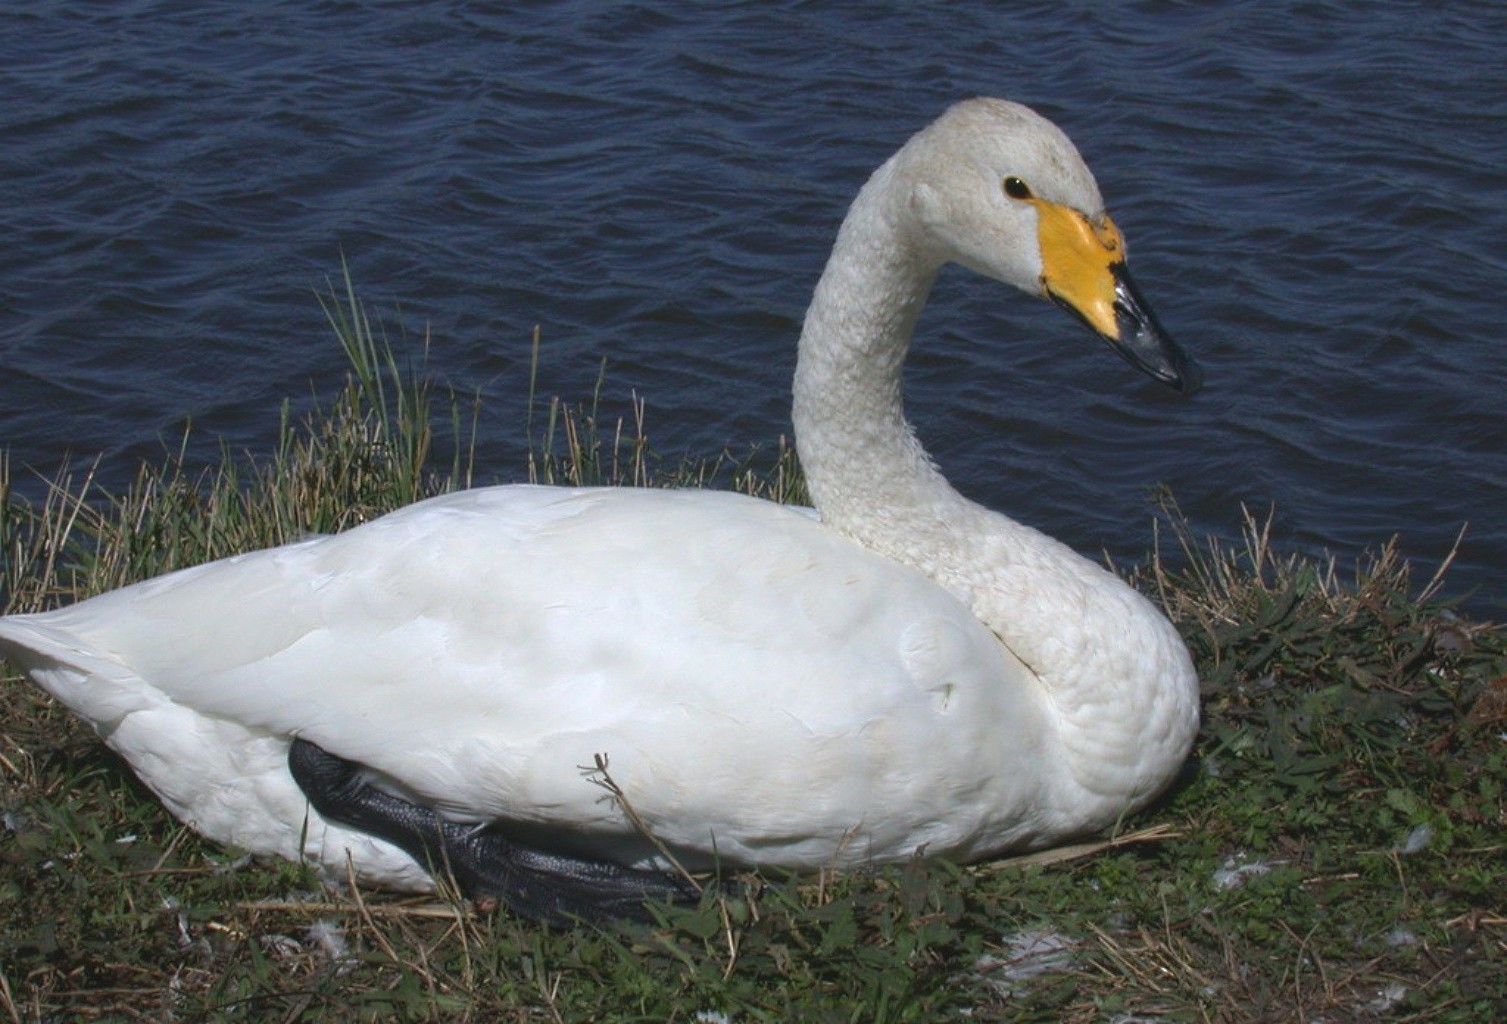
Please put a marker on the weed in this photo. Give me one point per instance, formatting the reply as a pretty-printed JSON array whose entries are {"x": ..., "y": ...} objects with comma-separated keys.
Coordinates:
[{"x": 1333, "y": 852}]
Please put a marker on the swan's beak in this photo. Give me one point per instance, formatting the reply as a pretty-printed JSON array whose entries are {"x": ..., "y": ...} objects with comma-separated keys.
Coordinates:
[{"x": 1084, "y": 272}]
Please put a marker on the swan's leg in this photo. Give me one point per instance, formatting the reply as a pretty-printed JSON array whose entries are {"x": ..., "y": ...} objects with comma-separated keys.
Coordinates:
[{"x": 535, "y": 883}]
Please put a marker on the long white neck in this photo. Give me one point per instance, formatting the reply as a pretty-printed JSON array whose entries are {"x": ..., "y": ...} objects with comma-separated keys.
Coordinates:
[
  {"x": 863, "y": 464},
  {"x": 872, "y": 481}
]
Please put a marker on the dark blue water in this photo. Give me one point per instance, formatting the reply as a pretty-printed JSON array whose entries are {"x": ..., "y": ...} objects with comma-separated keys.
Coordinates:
[{"x": 1315, "y": 196}]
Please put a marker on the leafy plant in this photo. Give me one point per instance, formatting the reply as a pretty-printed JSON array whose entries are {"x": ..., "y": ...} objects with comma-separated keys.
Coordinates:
[{"x": 1334, "y": 850}]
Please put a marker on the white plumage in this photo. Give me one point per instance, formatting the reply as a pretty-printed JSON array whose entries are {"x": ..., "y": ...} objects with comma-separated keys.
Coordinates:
[{"x": 912, "y": 672}]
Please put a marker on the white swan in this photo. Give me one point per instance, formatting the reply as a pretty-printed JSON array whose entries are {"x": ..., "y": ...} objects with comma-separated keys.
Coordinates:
[{"x": 913, "y": 672}]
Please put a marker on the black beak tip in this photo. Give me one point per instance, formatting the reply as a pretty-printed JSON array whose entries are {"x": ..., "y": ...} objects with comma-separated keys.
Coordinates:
[
  {"x": 1141, "y": 340},
  {"x": 1186, "y": 378},
  {"x": 1149, "y": 350},
  {"x": 1148, "y": 347}
]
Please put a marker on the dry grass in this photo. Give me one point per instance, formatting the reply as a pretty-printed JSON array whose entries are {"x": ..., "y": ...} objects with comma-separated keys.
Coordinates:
[{"x": 1334, "y": 852}]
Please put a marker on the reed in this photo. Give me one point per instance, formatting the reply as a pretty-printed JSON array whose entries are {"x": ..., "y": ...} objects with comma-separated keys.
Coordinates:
[
  {"x": 1334, "y": 850},
  {"x": 369, "y": 452}
]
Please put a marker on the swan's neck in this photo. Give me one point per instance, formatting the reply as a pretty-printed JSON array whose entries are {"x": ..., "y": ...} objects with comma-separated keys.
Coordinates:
[
  {"x": 1096, "y": 647},
  {"x": 867, "y": 474}
]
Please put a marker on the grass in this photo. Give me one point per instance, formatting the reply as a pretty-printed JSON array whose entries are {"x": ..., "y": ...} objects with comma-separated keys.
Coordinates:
[{"x": 1334, "y": 851}]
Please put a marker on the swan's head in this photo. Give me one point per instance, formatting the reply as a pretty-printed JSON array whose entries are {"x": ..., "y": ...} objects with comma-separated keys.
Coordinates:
[{"x": 1001, "y": 190}]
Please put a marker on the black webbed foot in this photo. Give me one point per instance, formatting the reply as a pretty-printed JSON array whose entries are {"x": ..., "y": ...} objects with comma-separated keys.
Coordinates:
[{"x": 543, "y": 886}]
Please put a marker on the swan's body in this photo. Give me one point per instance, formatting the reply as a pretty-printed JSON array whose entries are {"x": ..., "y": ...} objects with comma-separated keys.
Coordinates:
[{"x": 912, "y": 673}]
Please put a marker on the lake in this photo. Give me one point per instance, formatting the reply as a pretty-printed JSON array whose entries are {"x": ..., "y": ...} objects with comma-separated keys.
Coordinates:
[{"x": 1314, "y": 196}]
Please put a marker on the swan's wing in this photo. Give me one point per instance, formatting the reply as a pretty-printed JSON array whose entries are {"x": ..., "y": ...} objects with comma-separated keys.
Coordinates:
[{"x": 741, "y": 667}]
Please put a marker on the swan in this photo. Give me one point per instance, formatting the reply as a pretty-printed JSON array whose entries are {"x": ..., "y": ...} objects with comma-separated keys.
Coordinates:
[{"x": 899, "y": 672}]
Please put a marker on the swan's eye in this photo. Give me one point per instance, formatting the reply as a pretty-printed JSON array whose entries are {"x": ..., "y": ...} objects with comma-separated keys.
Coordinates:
[{"x": 1017, "y": 189}]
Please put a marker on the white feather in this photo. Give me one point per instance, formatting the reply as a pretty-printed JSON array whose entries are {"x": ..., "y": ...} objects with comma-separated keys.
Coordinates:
[{"x": 912, "y": 672}]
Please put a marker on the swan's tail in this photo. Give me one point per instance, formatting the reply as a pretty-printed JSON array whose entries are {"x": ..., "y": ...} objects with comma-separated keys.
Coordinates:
[
  {"x": 91, "y": 683},
  {"x": 226, "y": 781}
]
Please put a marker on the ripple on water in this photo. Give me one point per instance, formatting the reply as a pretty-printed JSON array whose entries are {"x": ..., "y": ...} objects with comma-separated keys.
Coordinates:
[{"x": 1312, "y": 201}]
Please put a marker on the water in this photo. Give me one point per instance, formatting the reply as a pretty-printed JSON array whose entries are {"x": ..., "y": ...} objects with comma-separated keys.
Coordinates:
[{"x": 1313, "y": 195}]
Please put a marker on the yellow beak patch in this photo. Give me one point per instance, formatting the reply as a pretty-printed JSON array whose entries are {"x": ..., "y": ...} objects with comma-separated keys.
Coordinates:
[{"x": 1078, "y": 258}]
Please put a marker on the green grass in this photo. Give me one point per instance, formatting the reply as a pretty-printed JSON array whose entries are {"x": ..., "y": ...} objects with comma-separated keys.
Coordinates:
[{"x": 1334, "y": 851}]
